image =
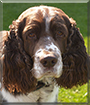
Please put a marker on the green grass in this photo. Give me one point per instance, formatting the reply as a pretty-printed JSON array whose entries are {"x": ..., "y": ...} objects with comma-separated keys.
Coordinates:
[
  {"x": 76, "y": 94},
  {"x": 77, "y": 12}
]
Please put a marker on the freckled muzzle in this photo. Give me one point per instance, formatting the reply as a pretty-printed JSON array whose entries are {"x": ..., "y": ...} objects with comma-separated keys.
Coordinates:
[{"x": 47, "y": 60}]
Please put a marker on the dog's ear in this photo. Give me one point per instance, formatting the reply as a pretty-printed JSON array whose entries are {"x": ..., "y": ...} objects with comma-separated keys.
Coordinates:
[
  {"x": 75, "y": 69},
  {"x": 17, "y": 64},
  {"x": 3, "y": 36}
]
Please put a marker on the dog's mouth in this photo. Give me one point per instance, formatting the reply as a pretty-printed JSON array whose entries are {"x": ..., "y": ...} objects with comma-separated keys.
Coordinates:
[
  {"x": 41, "y": 84},
  {"x": 45, "y": 83}
]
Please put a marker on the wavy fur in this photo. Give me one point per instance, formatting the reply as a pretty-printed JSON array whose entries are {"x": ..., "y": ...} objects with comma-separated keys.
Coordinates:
[
  {"x": 75, "y": 69},
  {"x": 17, "y": 64}
]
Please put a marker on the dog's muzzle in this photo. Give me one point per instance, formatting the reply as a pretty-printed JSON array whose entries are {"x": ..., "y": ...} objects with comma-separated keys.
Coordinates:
[{"x": 47, "y": 61}]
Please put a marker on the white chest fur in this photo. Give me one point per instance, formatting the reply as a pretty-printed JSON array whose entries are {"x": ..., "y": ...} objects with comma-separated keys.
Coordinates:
[{"x": 45, "y": 94}]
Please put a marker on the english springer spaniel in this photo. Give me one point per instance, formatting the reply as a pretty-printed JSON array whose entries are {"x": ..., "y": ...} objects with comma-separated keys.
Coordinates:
[{"x": 42, "y": 51}]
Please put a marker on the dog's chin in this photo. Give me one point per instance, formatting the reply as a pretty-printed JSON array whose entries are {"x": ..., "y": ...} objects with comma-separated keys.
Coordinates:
[
  {"x": 46, "y": 77},
  {"x": 45, "y": 82}
]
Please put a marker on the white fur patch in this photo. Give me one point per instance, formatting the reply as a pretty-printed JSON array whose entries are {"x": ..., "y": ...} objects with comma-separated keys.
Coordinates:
[
  {"x": 47, "y": 19},
  {"x": 47, "y": 23}
]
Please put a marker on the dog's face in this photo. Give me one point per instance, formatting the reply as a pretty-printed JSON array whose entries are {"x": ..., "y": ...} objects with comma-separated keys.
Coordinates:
[{"x": 45, "y": 39}]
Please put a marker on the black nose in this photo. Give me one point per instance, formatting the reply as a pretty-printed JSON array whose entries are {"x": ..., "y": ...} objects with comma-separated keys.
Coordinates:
[{"x": 48, "y": 61}]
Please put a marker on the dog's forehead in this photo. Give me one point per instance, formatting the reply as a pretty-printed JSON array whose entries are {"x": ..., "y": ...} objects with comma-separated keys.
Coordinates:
[
  {"x": 44, "y": 10},
  {"x": 43, "y": 14}
]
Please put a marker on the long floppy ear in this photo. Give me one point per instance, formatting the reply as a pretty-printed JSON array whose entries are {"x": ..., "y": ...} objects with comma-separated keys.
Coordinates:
[
  {"x": 3, "y": 37},
  {"x": 75, "y": 68},
  {"x": 17, "y": 65}
]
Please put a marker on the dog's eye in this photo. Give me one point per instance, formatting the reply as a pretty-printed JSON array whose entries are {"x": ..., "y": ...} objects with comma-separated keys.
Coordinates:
[
  {"x": 59, "y": 33},
  {"x": 32, "y": 34}
]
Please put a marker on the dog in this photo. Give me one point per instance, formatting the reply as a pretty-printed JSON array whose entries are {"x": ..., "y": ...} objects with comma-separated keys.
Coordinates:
[{"x": 42, "y": 51}]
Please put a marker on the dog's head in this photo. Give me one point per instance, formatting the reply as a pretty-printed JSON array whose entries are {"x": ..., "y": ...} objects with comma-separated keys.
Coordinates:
[{"x": 44, "y": 42}]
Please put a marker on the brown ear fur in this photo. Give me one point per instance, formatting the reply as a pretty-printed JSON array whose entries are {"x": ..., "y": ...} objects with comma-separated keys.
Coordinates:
[
  {"x": 74, "y": 60},
  {"x": 3, "y": 36},
  {"x": 17, "y": 77}
]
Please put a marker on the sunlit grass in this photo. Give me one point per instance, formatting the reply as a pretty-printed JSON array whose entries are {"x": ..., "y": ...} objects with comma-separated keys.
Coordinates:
[{"x": 76, "y": 94}]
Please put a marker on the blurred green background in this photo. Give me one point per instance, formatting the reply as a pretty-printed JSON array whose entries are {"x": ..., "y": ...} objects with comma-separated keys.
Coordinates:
[{"x": 78, "y": 11}]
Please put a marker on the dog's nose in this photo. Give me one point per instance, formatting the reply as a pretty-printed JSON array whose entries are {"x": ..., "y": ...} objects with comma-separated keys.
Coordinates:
[{"x": 48, "y": 61}]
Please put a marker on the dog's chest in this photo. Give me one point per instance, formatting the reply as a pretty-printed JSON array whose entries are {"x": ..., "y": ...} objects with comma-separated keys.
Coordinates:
[{"x": 45, "y": 94}]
